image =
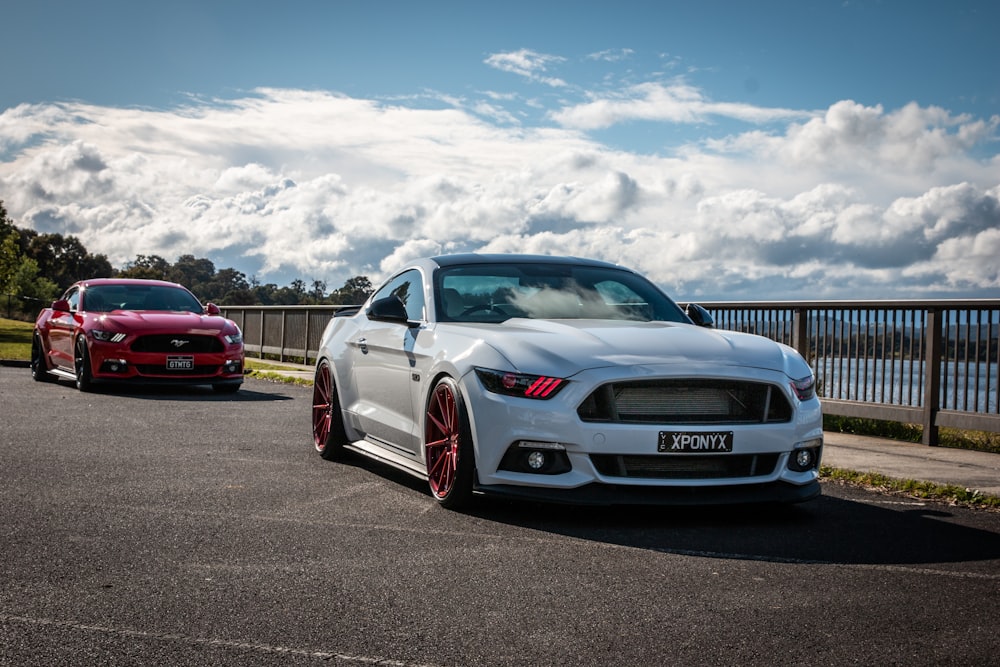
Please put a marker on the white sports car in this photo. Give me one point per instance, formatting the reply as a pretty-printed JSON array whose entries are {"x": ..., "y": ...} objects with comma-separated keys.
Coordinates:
[{"x": 566, "y": 380}]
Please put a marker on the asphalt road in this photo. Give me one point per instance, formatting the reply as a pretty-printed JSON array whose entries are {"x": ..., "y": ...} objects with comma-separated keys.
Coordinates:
[{"x": 183, "y": 527}]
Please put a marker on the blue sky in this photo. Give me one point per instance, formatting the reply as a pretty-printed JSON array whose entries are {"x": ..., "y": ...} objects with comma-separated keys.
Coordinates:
[{"x": 730, "y": 150}]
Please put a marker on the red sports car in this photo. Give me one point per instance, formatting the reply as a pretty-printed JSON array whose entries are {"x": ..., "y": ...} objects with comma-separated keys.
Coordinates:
[{"x": 142, "y": 331}]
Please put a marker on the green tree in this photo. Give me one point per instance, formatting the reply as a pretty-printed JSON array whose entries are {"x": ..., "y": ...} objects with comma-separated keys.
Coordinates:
[
  {"x": 148, "y": 267},
  {"x": 19, "y": 274},
  {"x": 230, "y": 286},
  {"x": 354, "y": 291},
  {"x": 64, "y": 259},
  {"x": 6, "y": 225},
  {"x": 35, "y": 291},
  {"x": 10, "y": 259},
  {"x": 197, "y": 275},
  {"x": 263, "y": 294}
]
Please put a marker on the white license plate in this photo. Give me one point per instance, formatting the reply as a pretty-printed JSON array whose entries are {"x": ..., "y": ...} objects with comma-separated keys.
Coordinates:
[
  {"x": 180, "y": 363},
  {"x": 684, "y": 442}
]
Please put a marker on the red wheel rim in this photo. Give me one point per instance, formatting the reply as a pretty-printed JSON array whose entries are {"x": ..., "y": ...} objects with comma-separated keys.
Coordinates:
[
  {"x": 322, "y": 406},
  {"x": 441, "y": 437}
]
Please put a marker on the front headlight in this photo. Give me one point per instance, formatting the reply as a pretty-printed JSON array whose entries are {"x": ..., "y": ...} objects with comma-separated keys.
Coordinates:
[
  {"x": 804, "y": 388},
  {"x": 233, "y": 339},
  {"x": 520, "y": 384},
  {"x": 107, "y": 336}
]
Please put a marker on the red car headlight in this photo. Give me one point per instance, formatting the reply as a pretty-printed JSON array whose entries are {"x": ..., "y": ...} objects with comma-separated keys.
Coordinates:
[
  {"x": 107, "y": 336},
  {"x": 522, "y": 385}
]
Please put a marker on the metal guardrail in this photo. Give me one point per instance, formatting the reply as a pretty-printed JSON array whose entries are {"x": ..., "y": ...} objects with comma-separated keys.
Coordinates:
[
  {"x": 933, "y": 363},
  {"x": 283, "y": 332}
]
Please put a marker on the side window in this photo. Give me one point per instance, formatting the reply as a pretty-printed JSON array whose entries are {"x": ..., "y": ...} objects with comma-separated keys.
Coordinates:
[
  {"x": 73, "y": 296},
  {"x": 409, "y": 287}
]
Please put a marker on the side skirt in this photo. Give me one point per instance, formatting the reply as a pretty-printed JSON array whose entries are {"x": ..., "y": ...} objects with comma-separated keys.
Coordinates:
[
  {"x": 60, "y": 373},
  {"x": 382, "y": 455}
]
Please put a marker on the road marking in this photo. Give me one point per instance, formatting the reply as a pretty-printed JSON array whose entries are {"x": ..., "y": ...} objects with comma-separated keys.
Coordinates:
[{"x": 225, "y": 643}]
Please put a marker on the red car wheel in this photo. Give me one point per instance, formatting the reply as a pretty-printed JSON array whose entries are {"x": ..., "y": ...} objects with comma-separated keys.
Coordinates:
[
  {"x": 448, "y": 446},
  {"x": 329, "y": 437}
]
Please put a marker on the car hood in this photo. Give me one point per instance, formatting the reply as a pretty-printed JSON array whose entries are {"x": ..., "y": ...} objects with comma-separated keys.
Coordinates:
[
  {"x": 568, "y": 346},
  {"x": 138, "y": 321}
]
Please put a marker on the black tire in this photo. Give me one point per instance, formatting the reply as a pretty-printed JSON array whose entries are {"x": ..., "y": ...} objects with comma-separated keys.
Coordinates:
[
  {"x": 81, "y": 365},
  {"x": 448, "y": 450},
  {"x": 329, "y": 436},
  {"x": 39, "y": 367}
]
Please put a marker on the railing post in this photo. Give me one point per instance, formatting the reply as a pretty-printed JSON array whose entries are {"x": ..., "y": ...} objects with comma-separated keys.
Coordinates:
[
  {"x": 284, "y": 320},
  {"x": 932, "y": 376},
  {"x": 260, "y": 334},
  {"x": 800, "y": 333}
]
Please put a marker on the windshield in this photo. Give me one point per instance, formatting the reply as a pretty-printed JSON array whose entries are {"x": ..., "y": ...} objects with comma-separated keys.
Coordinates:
[
  {"x": 106, "y": 298},
  {"x": 498, "y": 292}
]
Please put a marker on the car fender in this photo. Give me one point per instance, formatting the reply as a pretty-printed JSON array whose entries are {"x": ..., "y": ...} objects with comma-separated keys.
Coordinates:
[
  {"x": 334, "y": 337},
  {"x": 458, "y": 356}
]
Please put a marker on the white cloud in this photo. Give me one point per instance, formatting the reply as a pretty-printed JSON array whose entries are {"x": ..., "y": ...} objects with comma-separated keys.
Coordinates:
[
  {"x": 296, "y": 184},
  {"x": 611, "y": 55},
  {"x": 528, "y": 64},
  {"x": 850, "y": 137},
  {"x": 654, "y": 101}
]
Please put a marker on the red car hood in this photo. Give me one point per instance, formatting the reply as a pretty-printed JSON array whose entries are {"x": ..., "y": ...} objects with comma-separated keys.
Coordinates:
[{"x": 139, "y": 322}]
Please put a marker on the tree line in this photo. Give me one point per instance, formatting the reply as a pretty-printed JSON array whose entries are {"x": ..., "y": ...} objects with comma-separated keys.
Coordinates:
[{"x": 36, "y": 268}]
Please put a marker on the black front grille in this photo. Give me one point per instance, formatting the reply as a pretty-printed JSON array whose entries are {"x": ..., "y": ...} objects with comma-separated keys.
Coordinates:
[
  {"x": 162, "y": 371},
  {"x": 177, "y": 344},
  {"x": 686, "y": 401},
  {"x": 672, "y": 466}
]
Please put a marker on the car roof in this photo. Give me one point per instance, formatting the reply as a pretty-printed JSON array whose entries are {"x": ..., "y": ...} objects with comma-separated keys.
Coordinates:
[
  {"x": 93, "y": 282},
  {"x": 502, "y": 258}
]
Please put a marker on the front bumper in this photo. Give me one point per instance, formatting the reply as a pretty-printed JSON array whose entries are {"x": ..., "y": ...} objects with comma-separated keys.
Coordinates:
[
  {"x": 110, "y": 363},
  {"x": 616, "y": 494},
  {"x": 499, "y": 422}
]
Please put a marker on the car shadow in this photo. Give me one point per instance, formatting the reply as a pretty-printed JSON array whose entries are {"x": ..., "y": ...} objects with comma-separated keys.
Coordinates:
[
  {"x": 153, "y": 392},
  {"x": 842, "y": 526},
  {"x": 829, "y": 529}
]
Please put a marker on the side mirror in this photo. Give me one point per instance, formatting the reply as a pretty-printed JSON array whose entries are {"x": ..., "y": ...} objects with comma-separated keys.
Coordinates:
[
  {"x": 700, "y": 316},
  {"x": 212, "y": 309},
  {"x": 62, "y": 305},
  {"x": 388, "y": 309}
]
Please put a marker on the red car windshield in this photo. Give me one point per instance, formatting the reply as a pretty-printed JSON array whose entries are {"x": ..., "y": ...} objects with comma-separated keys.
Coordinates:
[{"x": 106, "y": 298}]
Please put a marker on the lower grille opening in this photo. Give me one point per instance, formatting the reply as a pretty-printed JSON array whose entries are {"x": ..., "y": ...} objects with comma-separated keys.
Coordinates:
[
  {"x": 685, "y": 467},
  {"x": 147, "y": 369}
]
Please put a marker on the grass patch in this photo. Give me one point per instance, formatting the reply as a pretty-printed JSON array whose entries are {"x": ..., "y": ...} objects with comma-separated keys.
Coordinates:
[
  {"x": 15, "y": 339},
  {"x": 277, "y": 376},
  {"x": 264, "y": 370},
  {"x": 259, "y": 365},
  {"x": 949, "y": 493}
]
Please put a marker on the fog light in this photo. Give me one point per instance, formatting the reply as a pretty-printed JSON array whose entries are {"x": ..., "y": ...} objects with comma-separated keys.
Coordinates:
[
  {"x": 539, "y": 458},
  {"x": 231, "y": 366},
  {"x": 803, "y": 458},
  {"x": 536, "y": 460},
  {"x": 114, "y": 366}
]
